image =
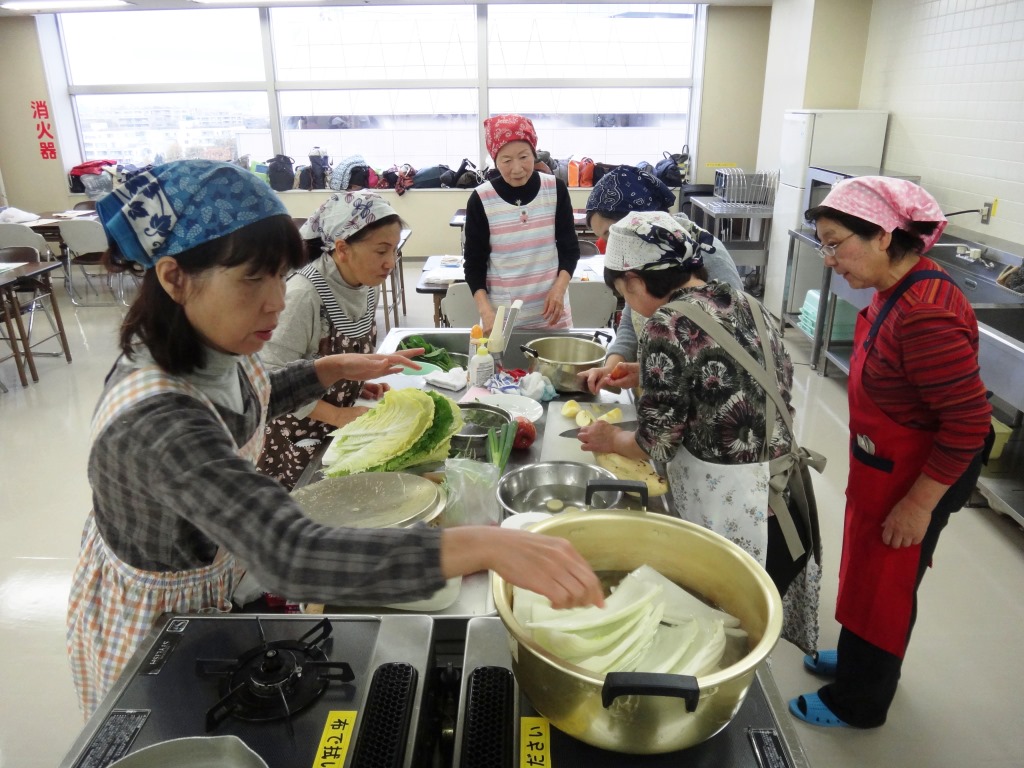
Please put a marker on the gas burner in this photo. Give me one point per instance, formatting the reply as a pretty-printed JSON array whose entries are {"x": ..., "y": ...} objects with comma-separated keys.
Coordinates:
[{"x": 275, "y": 679}]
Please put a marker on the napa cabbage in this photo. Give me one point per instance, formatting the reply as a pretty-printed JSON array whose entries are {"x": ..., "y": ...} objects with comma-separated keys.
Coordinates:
[{"x": 406, "y": 427}]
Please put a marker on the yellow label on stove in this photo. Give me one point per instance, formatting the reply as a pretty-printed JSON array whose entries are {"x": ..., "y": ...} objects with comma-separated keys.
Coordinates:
[
  {"x": 534, "y": 742},
  {"x": 339, "y": 728}
]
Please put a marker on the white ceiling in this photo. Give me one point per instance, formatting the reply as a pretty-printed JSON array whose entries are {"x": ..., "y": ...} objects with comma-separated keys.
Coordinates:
[{"x": 153, "y": 5}]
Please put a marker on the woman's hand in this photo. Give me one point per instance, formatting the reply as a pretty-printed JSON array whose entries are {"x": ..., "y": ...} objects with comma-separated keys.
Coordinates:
[
  {"x": 906, "y": 524},
  {"x": 486, "y": 318},
  {"x": 554, "y": 304},
  {"x": 374, "y": 390},
  {"x": 621, "y": 374},
  {"x": 359, "y": 367},
  {"x": 547, "y": 565},
  {"x": 600, "y": 437}
]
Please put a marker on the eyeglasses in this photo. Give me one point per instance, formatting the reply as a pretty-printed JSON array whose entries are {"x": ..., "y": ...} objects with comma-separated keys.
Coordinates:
[{"x": 829, "y": 251}]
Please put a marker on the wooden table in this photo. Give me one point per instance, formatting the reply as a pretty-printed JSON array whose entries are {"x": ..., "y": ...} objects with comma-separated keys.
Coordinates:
[
  {"x": 587, "y": 268},
  {"x": 48, "y": 225},
  {"x": 579, "y": 218},
  {"x": 12, "y": 314}
]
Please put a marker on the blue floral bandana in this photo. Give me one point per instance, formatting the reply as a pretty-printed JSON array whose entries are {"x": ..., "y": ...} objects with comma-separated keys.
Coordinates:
[
  {"x": 624, "y": 189},
  {"x": 178, "y": 205}
]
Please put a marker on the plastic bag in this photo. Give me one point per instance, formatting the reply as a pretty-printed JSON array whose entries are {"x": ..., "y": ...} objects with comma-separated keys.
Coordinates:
[
  {"x": 537, "y": 387},
  {"x": 472, "y": 493}
]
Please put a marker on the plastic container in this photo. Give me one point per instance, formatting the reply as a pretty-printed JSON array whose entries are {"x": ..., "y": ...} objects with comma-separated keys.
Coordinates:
[
  {"x": 1003, "y": 433},
  {"x": 481, "y": 367}
]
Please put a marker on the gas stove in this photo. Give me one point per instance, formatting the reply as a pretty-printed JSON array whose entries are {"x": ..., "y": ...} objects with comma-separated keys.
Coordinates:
[
  {"x": 498, "y": 728},
  {"x": 298, "y": 690}
]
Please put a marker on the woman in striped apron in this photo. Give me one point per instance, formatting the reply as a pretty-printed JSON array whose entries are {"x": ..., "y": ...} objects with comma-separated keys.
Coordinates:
[
  {"x": 520, "y": 237},
  {"x": 330, "y": 308}
]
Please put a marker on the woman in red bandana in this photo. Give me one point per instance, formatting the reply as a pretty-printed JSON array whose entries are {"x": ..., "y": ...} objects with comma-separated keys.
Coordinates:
[
  {"x": 918, "y": 424},
  {"x": 520, "y": 237}
]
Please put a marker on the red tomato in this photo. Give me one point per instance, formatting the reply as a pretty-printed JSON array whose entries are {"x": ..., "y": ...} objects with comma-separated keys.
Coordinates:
[{"x": 526, "y": 433}]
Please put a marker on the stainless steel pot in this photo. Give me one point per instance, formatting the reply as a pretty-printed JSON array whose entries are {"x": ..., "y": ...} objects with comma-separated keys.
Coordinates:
[
  {"x": 561, "y": 358},
  {"x": 471, "y": 441},
  {"x": 555, "y": 486},
  {"x": 638, "y": 713}
]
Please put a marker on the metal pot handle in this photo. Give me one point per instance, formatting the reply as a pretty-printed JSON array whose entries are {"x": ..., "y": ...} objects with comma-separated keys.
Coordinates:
[
  {"x": 602, "y": 335},
  {"x": 650, "y": 684},
  {"x": 529, "y": 351},
  {"x": 626, "y": 486}
]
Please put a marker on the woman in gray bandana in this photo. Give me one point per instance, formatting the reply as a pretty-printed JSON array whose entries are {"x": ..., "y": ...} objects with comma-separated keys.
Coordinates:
[{"x": 330, "y": 308}]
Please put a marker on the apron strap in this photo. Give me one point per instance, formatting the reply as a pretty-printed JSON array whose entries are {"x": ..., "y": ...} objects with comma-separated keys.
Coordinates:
[
  {"x": 786, "y": 471},
  {"x": 903, "y": 287}
]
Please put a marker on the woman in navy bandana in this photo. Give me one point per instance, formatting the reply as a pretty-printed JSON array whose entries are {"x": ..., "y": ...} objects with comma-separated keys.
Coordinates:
[{"x": 623, "y": 190}]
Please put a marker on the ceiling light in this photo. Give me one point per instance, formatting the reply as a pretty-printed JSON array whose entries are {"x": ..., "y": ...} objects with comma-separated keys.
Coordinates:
[{"x": 60, "y": 5}]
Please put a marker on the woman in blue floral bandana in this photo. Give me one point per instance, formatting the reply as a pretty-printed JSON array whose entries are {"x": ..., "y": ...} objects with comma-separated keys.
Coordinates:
[
  {"x": 180, "y": 423},
  {"x": 330, "y": 308},
  {"x": 702, "y": 413}
]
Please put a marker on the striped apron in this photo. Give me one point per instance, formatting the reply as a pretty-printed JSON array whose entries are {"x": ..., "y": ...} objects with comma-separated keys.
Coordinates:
[
  {"x": 113, "y": 605},
  {"x": 524, "y": 259},
  {"x": 290, "y": 442}
]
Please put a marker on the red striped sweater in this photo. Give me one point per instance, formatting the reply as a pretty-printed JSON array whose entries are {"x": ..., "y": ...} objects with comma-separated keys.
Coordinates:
[{"x": 923, "y": 371}]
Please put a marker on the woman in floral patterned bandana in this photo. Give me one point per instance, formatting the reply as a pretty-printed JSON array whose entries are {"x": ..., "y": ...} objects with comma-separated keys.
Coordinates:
[
  {"x": 330, "y": 308},
  {"x": 702, "y": 412}
]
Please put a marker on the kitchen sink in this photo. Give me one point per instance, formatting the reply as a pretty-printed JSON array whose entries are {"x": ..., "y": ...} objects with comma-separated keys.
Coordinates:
[
  {"x": 1008, "y": 321},
  {"x": 456, "y": 341}
]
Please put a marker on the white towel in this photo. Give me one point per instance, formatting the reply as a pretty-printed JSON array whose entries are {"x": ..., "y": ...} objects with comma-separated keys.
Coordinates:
[{"x": 455, "y": 379}]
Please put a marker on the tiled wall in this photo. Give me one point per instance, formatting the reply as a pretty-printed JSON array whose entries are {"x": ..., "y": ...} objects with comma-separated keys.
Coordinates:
[{"x": 951, "y": 74}]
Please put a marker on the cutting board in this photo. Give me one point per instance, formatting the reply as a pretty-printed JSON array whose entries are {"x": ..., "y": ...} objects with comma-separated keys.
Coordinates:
[{"x": 555, "y": 448}]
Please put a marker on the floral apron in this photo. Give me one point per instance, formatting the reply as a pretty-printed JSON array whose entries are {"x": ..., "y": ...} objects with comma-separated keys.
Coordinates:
[
  {"x": 113, "y": 605},
  {"x": 290, "y": 441},
  {"x": 524, "y": 258},
  {"x": 733, "y": 500},
  {"x": 876, "y": 582}
]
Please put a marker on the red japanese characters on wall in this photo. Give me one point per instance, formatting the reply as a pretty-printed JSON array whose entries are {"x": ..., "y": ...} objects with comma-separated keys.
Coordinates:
[{"x": 44, "y": 130}]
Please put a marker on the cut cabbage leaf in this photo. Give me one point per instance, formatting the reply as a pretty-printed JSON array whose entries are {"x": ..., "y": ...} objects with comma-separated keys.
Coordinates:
[
  {"x": 680, "y": 604},
  {"x": 632, "y": 643},
  {"x": 626, "y": 599},
  {"x": 671, "y": 642},
  {"x": 705, "y": 651},
  {"x": 589, "y": 641}
]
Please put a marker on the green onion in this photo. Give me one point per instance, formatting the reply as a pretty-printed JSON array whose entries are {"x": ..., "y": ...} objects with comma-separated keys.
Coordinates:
[{"x": 499, "y": 445}]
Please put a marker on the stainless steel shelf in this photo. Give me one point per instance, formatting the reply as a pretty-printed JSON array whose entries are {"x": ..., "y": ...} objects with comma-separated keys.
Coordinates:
[{"x": 1002, "y": 481}]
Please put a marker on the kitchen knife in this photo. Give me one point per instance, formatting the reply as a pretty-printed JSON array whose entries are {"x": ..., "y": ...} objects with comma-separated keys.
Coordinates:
[{"x": 621, "y": 424}]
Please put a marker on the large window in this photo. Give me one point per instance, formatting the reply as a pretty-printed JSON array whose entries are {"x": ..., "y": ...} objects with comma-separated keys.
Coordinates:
[{"x": 394, "y": 83}]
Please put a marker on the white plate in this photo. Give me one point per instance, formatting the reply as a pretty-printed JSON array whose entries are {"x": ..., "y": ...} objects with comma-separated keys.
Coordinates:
[{"x": 517, "y": 405}]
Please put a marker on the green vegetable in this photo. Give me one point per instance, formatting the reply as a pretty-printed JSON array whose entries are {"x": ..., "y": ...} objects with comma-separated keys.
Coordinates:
[
  {"x": 499, "y": 444},
  {"x": 431, "y": 354},
  {"x": 406, "y": 427}
]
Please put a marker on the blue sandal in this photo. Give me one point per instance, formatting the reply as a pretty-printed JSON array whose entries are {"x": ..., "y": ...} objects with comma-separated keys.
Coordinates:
[
  {"x": 811, "y": 709},
  {"x": 821, "y": 663}
]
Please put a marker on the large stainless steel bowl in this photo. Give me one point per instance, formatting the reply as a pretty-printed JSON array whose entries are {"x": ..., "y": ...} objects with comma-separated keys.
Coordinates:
[
  {"x": 640, "y": 718},
  {"x": 554, "y": 486},
  {"x": 562, "y": 358},
  {"x": 471, "y": 441}
]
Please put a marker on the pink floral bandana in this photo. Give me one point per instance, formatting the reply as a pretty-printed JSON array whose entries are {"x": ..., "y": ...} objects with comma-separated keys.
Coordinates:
[{"x": 889, "y": 203}]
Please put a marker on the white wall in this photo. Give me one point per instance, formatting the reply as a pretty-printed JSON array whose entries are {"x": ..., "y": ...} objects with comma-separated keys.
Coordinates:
[{"x": 952, "y": 76}]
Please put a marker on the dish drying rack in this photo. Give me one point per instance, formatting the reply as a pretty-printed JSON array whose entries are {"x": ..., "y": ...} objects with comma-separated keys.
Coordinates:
[{"x": 734, "y": 185}]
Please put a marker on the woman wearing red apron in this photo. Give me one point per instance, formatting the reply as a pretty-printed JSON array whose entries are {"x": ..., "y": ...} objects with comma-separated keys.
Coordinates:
[
  {"x": 330, "y": 307},
  {"x": 520, "y": 237},
  {"x": 919, "y": 418}
]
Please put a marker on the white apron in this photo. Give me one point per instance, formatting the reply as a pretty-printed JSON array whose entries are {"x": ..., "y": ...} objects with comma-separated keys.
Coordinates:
[
  {"x": 524, "y": 259},
  {"x": 113, "y": 605}
]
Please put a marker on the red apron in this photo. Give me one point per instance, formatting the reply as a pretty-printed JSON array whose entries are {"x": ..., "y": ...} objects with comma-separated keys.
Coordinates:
[{"x": 876, "y": 582}]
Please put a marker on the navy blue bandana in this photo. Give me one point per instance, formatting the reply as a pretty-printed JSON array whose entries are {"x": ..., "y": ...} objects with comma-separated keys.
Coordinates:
[
  {"x": 176, "y": 206},
  {"x": 624, "y": 189}
]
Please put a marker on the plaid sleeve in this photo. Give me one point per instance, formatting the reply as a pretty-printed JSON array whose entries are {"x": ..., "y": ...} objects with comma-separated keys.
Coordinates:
[
  {"x": 169, "y": 489},
  {"x": 292, "y": 387}
]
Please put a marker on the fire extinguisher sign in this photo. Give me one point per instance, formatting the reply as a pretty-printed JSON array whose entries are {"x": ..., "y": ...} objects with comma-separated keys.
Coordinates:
[{"x": 44, "y": 129}]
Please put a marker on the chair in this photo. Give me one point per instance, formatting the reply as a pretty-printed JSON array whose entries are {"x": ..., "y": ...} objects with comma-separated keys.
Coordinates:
[
  {"x": 14, "y": 235},
  {"x": 393, "y": 289},
  {"x": 458, "y": 309},
  {"x": 85, "y": 205},
  {"x": 86, "y": 241},
  {"x": 39, "y": 289},
  {"x": 589, "y": 248},
  {"x": 592, "y": 304}
]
